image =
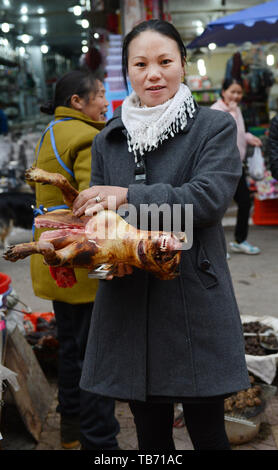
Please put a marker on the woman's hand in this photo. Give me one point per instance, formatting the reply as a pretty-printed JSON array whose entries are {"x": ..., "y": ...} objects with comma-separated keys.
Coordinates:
[
  {"x": 232, "y": 105},
  {"x": 97, "y": 198},
  {"x": 120, "y": 270},
  {"x": 255, "y": 141}
]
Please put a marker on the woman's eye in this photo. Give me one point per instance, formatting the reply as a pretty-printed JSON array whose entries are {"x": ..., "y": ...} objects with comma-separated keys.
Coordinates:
[
  {"x": 166, "y": 61},
  {"x": 140, "y": 64}
]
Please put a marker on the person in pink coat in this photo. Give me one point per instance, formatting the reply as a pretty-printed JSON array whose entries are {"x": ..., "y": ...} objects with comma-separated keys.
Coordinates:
[{"x": 231, "y": 95}]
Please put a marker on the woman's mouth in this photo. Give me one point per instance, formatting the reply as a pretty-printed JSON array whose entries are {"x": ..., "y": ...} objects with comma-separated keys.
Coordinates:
[{"x": 155, "y": 88}]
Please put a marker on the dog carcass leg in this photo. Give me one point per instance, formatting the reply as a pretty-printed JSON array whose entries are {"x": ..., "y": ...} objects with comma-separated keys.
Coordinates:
[
  {"x": 37, "y": 175},
  {"x": 21, "y": 251}
]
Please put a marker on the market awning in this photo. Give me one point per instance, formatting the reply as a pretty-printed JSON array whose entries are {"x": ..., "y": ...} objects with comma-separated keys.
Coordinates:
[{"x": 255, "y": 24}]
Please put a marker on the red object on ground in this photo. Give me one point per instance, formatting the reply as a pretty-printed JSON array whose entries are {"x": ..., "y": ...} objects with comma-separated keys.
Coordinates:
[
  {"x": 64, "y": 277},
  {"x": 34, "y": 316},
  {"x": 265, "y": 212},
  {"x": 5, "y": 282}
]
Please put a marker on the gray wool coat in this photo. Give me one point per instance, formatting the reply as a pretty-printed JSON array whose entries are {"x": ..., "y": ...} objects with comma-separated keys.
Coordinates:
[{"x": 181, "y": 337}]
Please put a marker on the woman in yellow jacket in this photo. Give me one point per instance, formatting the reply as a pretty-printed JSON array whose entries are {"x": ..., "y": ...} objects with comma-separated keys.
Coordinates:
[{"x": 79, "y": 108}]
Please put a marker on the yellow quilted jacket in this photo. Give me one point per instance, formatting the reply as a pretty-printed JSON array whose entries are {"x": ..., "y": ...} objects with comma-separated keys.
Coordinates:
[{"x": 73, "y": 141}]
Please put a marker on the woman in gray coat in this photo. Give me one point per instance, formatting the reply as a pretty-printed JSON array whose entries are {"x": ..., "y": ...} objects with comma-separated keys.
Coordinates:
[{"x": 154, "y": 342}]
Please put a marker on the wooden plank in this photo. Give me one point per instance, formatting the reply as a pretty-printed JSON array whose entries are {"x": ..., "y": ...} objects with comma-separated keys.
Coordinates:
[
  {"x": 35, "y": 395},
  {"x": 3, "y": 345}
]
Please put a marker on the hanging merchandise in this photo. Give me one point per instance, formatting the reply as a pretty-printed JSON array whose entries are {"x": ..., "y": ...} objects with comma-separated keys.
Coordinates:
[
  {"x": 148, "y": 9},
  {"x": 233, "y": 67},
  {"x": 166, "y": 11},
  {"x": 248, "y": 65},
  {"x": 156, "y": 11},
  {"x": 133, "y": 13},
  {"x": 93, "y": 59},
  {"x": 113, "y": 23}
]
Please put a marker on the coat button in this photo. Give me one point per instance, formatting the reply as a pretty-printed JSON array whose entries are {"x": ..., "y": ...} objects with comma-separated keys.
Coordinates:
[{"x": 205, "y": 265}]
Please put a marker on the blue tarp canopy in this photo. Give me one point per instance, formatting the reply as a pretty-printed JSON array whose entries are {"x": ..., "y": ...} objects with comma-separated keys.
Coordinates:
[{"x": 255, "y": 24}]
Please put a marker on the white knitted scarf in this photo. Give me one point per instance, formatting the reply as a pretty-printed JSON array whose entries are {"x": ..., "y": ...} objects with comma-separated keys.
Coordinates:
[{"x": 149, "y": 126}]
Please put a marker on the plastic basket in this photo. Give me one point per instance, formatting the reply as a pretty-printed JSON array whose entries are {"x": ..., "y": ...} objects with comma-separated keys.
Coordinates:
[
  {"x": 5, "y": 282},
  {"x": 5, "y": 288},
  {"x": 265, "y": 212}
]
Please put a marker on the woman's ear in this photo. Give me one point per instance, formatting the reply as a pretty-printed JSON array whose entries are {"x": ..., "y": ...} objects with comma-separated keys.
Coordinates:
[{"x": 76, "y": 102}]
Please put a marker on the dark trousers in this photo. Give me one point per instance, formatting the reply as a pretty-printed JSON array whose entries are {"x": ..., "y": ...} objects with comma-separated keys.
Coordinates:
[
  {"x": 204, "y": 422},
  {"x": 98, "y": 424},
  {"x": 243, "y": 201}
]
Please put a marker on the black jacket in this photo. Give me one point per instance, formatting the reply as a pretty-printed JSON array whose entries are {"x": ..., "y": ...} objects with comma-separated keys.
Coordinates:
[{"x": 272, "y": 147}]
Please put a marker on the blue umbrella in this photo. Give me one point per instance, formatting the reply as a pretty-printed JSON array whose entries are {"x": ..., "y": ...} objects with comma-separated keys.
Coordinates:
[{"x": 255, "y": 24}]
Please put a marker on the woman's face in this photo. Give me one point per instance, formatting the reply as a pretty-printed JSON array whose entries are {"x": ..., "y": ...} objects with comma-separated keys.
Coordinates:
[
  {"x": 233, "y": 93},
  {"x": 95, "y": 105},
  {"x": 155, "y": 67}
]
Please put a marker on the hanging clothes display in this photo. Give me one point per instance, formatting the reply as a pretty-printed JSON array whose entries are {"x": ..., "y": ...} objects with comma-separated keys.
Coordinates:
[{"x": 249, "y": 66}]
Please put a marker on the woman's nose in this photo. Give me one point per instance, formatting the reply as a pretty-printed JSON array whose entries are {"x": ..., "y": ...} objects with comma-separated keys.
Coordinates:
[{"x": 153, "y": 72}]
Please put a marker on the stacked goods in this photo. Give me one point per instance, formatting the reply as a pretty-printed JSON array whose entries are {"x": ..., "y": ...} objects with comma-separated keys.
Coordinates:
[
  {"x": 270, "y": 342},
  {"x": 262, "y": 339},
  {"x": 245, "y": 398},
  {"x": 243, "y": 412},
  {"x": 113, "y": 68}
]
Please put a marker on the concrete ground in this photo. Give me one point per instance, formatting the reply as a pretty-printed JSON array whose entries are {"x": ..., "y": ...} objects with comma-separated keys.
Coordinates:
[{"x": 255, "y": 280}]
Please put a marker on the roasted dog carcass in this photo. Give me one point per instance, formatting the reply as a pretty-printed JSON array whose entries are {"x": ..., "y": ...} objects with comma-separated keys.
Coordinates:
[{"x": 88, "y": 242}]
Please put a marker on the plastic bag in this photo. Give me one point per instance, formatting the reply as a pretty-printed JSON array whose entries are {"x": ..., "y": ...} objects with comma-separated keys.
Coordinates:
[
  {"x": 256, "y": 165},
  {"x": 10, "y": 376}
]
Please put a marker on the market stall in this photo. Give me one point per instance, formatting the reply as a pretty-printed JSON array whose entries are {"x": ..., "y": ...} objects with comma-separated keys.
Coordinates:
[
  {"x": 246, "y": 29},
  {"x": 244, "y": 410},
  {"x": 256, "y": 24},
  {"x": 28, "y": 340}
]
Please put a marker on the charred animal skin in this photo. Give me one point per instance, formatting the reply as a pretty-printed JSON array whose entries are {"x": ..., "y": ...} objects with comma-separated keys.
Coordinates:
[
  {"x": 87, "y": 248},
  {"x": 15, "y": 252},
  {"x": 37, "y": 175},
  {"x": 87, "y": 242}
]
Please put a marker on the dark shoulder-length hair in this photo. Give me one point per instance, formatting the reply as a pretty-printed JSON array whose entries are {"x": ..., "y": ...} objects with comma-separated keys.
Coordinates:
[
  {"x": 227, "y": 82},
  {"x": 76, "y": 82},
  {"x": 159, "y": 26}
]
